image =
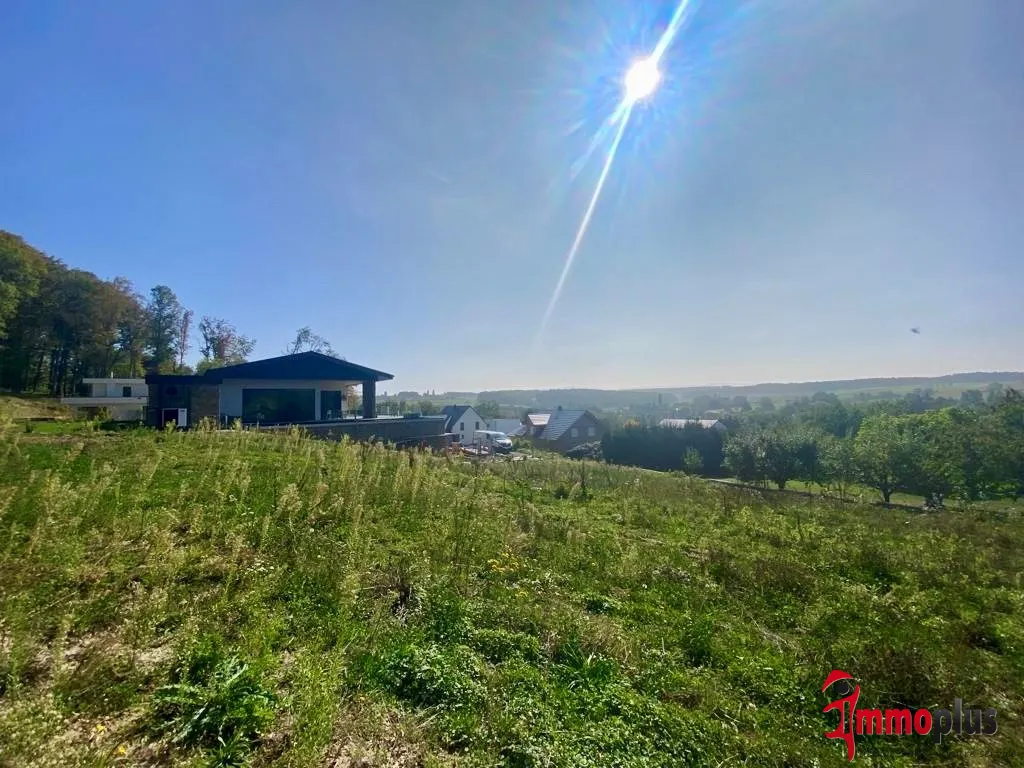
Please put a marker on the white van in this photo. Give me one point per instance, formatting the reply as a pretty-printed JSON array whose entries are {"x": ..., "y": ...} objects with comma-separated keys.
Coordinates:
[{"x": 498, "y": 442}]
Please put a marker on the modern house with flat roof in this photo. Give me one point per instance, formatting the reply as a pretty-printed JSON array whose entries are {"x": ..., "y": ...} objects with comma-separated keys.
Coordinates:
[
  {"x": 307, "y": 389},
  {"x": 290, "y": 389},
  {"x": 124, "y": 399}
]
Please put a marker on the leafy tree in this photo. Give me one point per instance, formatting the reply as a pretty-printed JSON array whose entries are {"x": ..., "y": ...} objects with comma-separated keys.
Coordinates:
[
  {"x": 741, "y": 458},
  {"x": 221, "y": 344},
  {"x": 79, "y": 327},
  {"x": 183, "y": 344},
  {"x": 1006, "y": 420},
  {"x": 693, "y": 462},
  {"x": 352, "y": 399},
  {"x": 766, "y": 404},
  {"x": 166, "y": 316},
  {"x": 778, "y": 456},
  {"x": 740, "y": 403},
  {"x": 828, "y": 415},
  {"x": 307, "y": 341},
  {"x": 886, "y": 454},
  {"x": 806, "y": 445},
  {"x": 972, "y": 398},
  {"x": 25, "y": 317},
  {"x": 837, "y": 468},
  {"x": 489, "y": 409},
  {"x": 132, "y": 326},
  {"x": 428, "y": 408},
  {"x": 965, "y": 452},
  {"x": 21, "y": 269}
]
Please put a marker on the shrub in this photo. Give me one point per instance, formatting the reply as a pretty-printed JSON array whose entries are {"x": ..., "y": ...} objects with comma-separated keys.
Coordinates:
[
  {"x": 498, "y": 645},
  {"x": 432, "y": 675},
  {"x": 586, "y": 451}
]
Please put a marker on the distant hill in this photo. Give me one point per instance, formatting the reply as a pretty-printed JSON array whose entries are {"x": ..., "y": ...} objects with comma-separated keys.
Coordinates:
[{"x": 950, "y": 385}]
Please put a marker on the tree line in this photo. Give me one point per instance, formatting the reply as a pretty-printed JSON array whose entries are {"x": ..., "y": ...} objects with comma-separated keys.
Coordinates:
[
  {"x": 967, "y": 452},
  {"x": 59, "y": 324}
]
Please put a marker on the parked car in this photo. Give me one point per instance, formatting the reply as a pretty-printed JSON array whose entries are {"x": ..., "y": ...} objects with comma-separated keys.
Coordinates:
[{"x": 498, "y": 442}]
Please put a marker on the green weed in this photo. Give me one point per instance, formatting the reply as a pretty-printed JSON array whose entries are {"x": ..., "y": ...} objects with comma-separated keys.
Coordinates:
[{"x": 213, "y": 701}]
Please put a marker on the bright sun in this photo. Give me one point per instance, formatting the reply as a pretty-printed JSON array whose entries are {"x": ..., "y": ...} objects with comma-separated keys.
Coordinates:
[{"x": 641, "y": 80}]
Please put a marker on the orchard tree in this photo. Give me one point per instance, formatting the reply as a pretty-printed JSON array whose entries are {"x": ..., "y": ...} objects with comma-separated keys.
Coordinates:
[
  {"x": 807, "y": 448},
  {"x": 741, "y": 457},
  {"x": 778, "y": 456},
  {"x": 886, "y": 454},
  {"x": 963, "y": 453},
  {"x": 693, "y": 462},
  {"x": 837, "y": 470}
]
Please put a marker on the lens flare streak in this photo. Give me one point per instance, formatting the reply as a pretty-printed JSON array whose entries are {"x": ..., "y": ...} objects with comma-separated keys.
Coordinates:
[
  {"x": 587, "y": 215},
  {"x": 620, "y": 119}
]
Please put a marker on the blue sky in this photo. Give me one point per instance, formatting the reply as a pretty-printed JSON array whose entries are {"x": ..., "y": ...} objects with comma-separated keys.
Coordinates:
[{"x": 811, "y": 180}]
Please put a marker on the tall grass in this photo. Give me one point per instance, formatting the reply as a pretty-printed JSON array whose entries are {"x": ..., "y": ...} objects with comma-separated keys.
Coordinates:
[{"x": 232, "y": 597}]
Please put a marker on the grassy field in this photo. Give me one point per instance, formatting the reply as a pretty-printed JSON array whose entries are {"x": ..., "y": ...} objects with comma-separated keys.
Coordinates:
[
  {"x": 861, "y": 494},
  {"x": 234, "y": 597}
]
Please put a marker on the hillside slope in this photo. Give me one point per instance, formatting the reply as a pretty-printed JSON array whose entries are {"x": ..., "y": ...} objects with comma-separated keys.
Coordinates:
[
  {"x": 21, "y": 407},
  {"x": 217, "y": 597},
  {"x": 946, "y": 386}
]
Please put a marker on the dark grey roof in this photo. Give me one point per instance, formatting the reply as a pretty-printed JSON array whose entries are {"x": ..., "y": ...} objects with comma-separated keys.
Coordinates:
[
  {"x": 304, "y": 365},
  {"x": 174, "y": 378},
  {"x": 559, "y": 424},
  {"x": 453, "y": 413}
]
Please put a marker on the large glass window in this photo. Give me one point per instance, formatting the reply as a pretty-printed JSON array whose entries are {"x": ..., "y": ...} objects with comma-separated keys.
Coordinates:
[
  {"x": 330, "y": 404},
  {"x": 278, "y": 406}
]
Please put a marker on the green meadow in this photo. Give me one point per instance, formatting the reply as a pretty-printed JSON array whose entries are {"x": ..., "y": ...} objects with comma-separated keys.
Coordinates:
[{"x": 240, "y": 598}]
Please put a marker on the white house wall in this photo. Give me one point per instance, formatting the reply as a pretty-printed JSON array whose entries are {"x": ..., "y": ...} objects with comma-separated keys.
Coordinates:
[
  {"x": 468, "y": 421},
  {"x": 115, "y": 388},
  {"x": 231, "y": 392}
]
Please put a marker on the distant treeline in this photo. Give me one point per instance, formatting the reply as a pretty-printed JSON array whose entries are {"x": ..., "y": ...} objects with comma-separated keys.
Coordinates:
[{"x": 703, "y": 398}]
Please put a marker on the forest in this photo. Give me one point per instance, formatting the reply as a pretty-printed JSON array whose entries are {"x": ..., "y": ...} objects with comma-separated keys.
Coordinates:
[{"x": 59, "y": 324}]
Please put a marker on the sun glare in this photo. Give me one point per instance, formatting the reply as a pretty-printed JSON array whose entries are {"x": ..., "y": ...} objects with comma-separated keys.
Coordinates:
[
  {"x": 642, "y": 80},
  {"x": 639, "y": 84}
]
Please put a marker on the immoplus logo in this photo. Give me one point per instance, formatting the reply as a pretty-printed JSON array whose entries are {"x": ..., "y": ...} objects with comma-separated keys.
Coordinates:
[{"x": 855, "y": 722}]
